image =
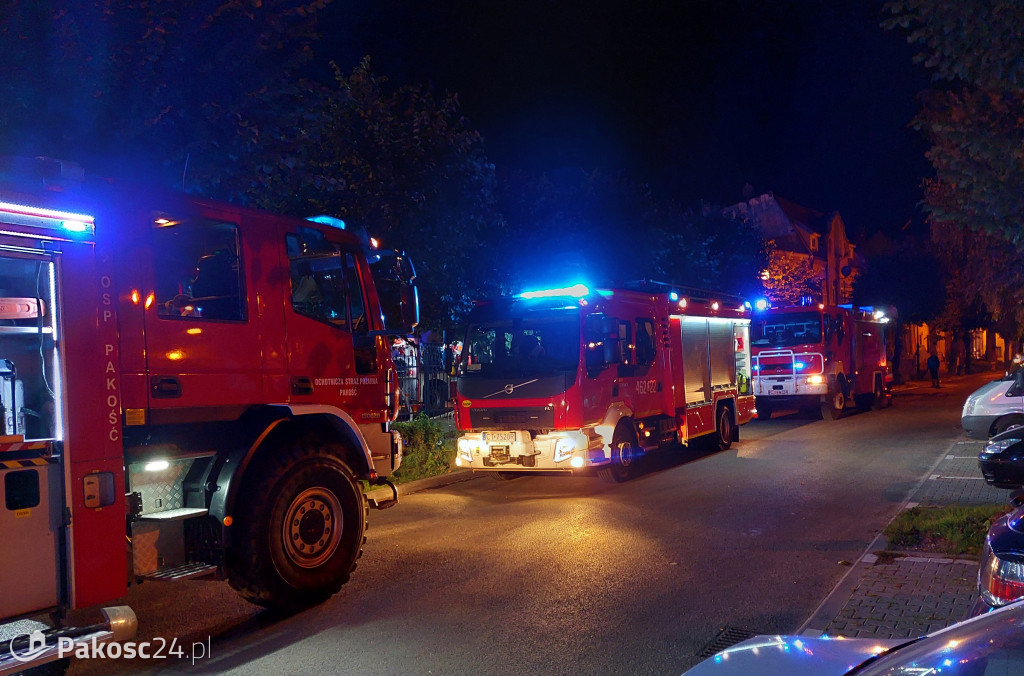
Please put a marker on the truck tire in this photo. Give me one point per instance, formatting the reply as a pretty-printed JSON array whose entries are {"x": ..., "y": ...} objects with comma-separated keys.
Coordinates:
[
  {"x": 301, "y": 526},
  {"x": 764, "y": 409},
  {"x": 724, "y": 428},
  {"x": 625, "y": 456},
  {"x": 835, "y": 401}
]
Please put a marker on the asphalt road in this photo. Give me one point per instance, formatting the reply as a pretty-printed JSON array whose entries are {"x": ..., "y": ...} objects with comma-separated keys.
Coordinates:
[{"x": 574, "y": 575}]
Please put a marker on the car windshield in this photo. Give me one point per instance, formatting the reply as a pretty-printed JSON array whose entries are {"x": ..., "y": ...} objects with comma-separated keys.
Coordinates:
[
  {"x": 523, "y": 346},
  {"x": 984, "y": 646},
  {"x": 787, "y": 330}
]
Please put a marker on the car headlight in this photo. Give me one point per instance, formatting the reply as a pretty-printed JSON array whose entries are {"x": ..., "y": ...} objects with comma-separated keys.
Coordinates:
[
  {"x": 969, "y": 406},
  {"x": 563, "y": 449},
  {"x": 1000, "y": 446}
]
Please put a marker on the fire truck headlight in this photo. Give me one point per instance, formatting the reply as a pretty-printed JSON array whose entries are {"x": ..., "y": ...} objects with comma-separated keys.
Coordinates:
[
  {"x": 815, "y": 380},
  {"x": 563, "y": 449},
  {"x": 576, "y": 461},
  {"x": 466, "y": 448}
]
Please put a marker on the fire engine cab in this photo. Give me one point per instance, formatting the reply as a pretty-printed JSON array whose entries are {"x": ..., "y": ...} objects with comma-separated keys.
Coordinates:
[
  {"x": 820, "y": 357},
  {"x": 210, "y": 381},
  {"x": 574, "y": 380}
]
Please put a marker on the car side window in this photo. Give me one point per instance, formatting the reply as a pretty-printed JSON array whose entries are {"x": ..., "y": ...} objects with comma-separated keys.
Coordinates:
[
  {"x": 644, "y": 341},
  {"x": 327, "y": 287},
  {"x": 199, "y": 271}
]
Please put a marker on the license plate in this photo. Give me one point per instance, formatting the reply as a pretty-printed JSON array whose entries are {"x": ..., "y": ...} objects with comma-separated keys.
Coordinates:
[{"x": 500, "y": 437}]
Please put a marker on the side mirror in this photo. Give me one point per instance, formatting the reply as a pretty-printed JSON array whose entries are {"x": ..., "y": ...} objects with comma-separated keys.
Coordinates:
[{"x": 395, "y": 279}]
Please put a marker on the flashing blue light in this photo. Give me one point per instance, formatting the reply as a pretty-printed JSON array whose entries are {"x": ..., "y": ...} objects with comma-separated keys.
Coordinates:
[
  {"x": 755, "y": 367},
  {"x": 328, "y": 220},
  {"x": 761, "y": 304},
  {"x": 746, "y": 304},
  {"x": 673, "y": 296},
  {"x": 800, "y": 365},
  {"x": 49, "y": 218},
  {"x": 575, "y": 291}
]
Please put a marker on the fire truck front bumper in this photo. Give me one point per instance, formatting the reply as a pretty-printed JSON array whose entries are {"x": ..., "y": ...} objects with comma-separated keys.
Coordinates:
[
  {"x": 519, "y": 450},
  {"x": 791, "y": 386}
]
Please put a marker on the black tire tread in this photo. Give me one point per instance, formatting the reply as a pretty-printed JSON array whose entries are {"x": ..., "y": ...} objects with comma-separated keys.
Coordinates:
[{"x": 251, "y": 574}]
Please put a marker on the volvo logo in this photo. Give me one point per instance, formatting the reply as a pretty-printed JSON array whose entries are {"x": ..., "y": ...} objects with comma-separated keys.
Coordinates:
[{"x": 510, "y": 388}]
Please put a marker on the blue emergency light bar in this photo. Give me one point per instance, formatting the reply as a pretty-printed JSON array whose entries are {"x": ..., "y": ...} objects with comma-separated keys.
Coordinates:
[
  {"x": 51, "y": 219},
  {"x": 574, "y": 291},
  {"x": 328, "y": 220}
]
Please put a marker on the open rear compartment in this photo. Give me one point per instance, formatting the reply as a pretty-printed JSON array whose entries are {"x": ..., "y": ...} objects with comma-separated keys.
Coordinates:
[
  {"x": 29, "y": 368},
  {"x": 31, "y": 476}
]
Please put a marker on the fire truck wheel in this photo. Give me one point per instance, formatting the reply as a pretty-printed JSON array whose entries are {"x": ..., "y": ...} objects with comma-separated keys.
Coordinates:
[
  {"x": 302, "y": 532},
  {"x": 625, "y": 456},
  {"x": 835, "y": 402},
  {"x": 725, "y": 429}
]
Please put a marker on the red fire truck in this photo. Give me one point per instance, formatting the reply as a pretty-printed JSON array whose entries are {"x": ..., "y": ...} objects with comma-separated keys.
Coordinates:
[
  {"x": 208, "y": 380},
  {"x": 573, "y": 380},
  {"x": 820, "y": 357}
]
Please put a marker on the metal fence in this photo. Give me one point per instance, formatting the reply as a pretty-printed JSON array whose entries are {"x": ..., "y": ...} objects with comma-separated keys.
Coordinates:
[{"x": 424, "y": 378}]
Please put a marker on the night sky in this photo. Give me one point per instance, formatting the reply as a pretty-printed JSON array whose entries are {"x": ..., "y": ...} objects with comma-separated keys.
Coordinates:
[{"x": 808, "y": 99}]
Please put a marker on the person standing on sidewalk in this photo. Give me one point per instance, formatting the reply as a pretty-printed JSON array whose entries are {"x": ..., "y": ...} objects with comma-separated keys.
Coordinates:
[{"x": 933, "y": 368}]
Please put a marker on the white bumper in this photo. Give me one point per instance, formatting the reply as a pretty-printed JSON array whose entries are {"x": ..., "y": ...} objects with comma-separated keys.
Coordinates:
[
  {"x": 790, "y": 386},
  {"x": 562, "y": 450}
]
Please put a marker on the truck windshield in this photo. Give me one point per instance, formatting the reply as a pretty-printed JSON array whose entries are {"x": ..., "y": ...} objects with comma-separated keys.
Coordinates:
[
  {"x": 786, "y": 330},
  {"x": 530, "y": 346}
]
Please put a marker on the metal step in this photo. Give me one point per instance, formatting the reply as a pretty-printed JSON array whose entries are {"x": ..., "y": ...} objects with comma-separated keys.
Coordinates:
[
  {"x": 184, "y": 572},
  {"x": 38, "y": 648},
  {"x": 174, "y": 514}
]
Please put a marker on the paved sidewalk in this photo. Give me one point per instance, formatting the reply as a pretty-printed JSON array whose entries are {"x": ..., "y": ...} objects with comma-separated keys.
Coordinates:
[{"x": 893, "y": 594}]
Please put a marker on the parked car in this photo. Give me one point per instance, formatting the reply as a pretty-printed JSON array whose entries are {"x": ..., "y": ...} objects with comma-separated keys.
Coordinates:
[
  {"x": 1001, "y": 569},
  {"x": 980, "y": 646},
  {"x": 995, "y": 407},
  {"x": 1002, "y": 460}
]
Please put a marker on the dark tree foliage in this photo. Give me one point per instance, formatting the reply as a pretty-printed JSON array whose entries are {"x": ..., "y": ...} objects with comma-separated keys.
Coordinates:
[
  {"x": 906, "y": 277},
  {"x": 985, "y": 281},
  {"x": 208, "y": 96},
  {"x": 974, "y": 121},
  {"x": 401, "y": 163},
  {"x": 707, "y": 249},
  {"x": 575, "y": 225},
  {"x": 143, "y": 88}
]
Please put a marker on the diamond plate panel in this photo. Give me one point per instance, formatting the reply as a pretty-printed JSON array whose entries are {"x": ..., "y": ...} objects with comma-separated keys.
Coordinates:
[{"x": 162, "y": 490}]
